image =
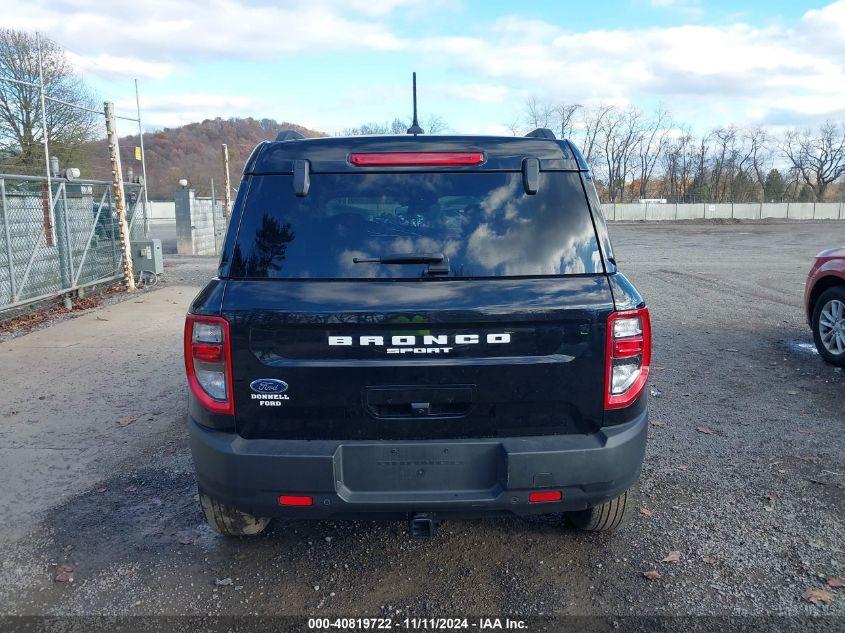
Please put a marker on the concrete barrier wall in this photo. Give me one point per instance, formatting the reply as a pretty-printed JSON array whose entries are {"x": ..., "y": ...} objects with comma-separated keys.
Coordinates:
[
  {"x": 747, "y": 211},
  {"x": 689, "y": 211},
  {"x": 773, "y": 210},
  {"x": 829, "y": 211},
  {"x": 630, "y": 212},
  {"x": 801, "y": 211},
  {"x": 635, "y": 212},
  {"x": 159, "y": 210},
  {"x": 200, "y": 225},
  {"x": 661, "y": 212},
  {"x": 718, "y": 211},
  {"x": 209, "y": 226}
]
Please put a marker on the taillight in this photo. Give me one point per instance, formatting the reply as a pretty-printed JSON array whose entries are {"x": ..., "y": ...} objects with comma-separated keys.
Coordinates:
[
  {"x": 628, "y": 357},
  {"x": 208, "y": 362},
  {"x": 416, "y": 159}
]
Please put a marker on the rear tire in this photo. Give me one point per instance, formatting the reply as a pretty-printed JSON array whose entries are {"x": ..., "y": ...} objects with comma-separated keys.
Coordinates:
[
  {"x": 830, "y": 304},
  {"x": 606, "y": 517},
  {"x": 230, "y": 521}
]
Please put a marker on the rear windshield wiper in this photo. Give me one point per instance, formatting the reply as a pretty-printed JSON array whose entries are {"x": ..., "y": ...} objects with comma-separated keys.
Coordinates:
[{"x": 438, "y": 263}]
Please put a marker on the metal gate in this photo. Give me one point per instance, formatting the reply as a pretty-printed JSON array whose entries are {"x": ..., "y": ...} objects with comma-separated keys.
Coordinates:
[{"x": 46, "y": 251}]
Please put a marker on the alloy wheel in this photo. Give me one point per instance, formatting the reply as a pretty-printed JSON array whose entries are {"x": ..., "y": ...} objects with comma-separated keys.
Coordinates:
[{"x": 832, "y": 326}]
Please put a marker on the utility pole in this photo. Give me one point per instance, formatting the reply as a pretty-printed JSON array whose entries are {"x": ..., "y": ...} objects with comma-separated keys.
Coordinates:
[
  {"x": 51, "y": 238},
  {"x": 227, "y": 185},
  {"x": 119, "y": 200},
  {"x": 143, "y": 165},
  {"x": 214, "y": 215}
]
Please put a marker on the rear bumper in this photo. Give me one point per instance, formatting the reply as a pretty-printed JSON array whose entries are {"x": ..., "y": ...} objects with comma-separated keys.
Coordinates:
[{"x": 392, "y": 479}]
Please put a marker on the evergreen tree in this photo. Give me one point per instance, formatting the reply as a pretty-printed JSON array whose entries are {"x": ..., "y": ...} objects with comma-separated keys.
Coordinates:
[
  {"x": 807, "y": 194},
  {"x": 775, "y": 187},
  {"x": 743, "y": 188}
]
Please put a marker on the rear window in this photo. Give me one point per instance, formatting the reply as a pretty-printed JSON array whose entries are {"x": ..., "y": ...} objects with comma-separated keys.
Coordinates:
[{"x": 483, "y": 222}]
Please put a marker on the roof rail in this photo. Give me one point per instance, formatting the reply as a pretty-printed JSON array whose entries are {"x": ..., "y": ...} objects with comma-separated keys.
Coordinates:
[
  {"x": 542, "y": 132},
  {"x": 289, "y": 135}
]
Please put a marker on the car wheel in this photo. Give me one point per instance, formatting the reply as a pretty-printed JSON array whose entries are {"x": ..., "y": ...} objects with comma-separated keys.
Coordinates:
[
  {"x": 606, "y": 517},
  {"x": 230, "y": 521},
  {"x": 829, "y": 325}
]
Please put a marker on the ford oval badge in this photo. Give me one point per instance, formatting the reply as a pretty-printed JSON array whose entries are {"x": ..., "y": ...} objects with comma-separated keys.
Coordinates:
[{"x": 268, "y": 385}]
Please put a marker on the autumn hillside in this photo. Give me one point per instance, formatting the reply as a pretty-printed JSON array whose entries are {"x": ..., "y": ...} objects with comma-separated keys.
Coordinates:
[{"x": 191, "y": 151}]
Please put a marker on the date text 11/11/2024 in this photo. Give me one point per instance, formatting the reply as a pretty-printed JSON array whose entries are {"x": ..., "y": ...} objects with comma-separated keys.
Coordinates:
[{"x": 417, "y": 624}]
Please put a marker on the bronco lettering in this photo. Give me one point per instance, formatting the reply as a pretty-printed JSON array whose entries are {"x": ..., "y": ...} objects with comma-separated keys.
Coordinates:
[{"x": 410, "y": 340}]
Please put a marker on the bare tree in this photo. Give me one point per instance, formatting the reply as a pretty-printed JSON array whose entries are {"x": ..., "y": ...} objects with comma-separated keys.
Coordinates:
[
  {"x": 592, "y": 120},
  {"x": 619, "y": 133},
  {"x": 699, "y": 190},
  {"x": 793, "y": 184},
  {"x": 650, "y": 145},
  {"x": 760, "y": 155},
  {"x": 724, "y": 139},
  {"x": 433, "y": 124},
  {"x": 634, "y": 154},
  {"x": 368, "y": 129},
  {"x": 537, "y": 113},
  {"x": 564, "y": 114},
  {"x": 21, "y": 133},
  {"x": 819, "y": 159},
  {"x": 744, "y": 180},
  {"x": 515, "y": 126},
  {"x": 678, "y": 162}
]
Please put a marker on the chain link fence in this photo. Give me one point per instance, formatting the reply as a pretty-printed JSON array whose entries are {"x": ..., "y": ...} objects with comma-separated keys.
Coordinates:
[
  {"x": 49, "y": 250},
  {"x": 59, "y": 233}
]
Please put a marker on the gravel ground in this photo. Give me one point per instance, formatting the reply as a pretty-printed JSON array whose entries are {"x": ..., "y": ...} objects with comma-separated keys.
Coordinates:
[
  {"x": 744, "y": 478},
  {"x": 178, "y": 271}
]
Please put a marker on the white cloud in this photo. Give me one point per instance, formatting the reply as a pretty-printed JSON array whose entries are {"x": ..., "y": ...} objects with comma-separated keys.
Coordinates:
[
  {"x": 176, "y": 31},
  {"x": 731, "y": 72},
  {"x": 377, "y": 7},
  {"x": 495, "y": 129},
  {"x": 429, "y": 93},
  {"x": 178, "y": 109},
  {"x": 694, "y": 69},
  {"x": 114, "y": 67},
  {"x": 479, "y": 92},
  {"x": 688, "y": 7},
  {"x": 824, "y": 29}
]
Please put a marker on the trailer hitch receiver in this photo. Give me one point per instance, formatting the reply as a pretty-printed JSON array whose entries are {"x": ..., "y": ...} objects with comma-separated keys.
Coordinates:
[{"x": 422, "y": 525}]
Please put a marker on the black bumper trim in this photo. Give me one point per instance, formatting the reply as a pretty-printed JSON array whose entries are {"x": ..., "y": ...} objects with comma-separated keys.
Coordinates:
[{"x": 478, "y": 477}]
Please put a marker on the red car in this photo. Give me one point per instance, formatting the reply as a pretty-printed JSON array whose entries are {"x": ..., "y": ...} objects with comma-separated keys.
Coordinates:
[{"x": 824, "y": 301}]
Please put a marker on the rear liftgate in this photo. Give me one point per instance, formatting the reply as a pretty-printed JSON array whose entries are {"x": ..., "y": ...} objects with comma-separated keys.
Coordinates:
[{"x": 504, "y": 357}]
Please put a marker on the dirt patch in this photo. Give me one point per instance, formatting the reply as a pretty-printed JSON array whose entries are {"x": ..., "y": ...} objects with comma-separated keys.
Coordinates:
[{"x": 45, "y": 316}]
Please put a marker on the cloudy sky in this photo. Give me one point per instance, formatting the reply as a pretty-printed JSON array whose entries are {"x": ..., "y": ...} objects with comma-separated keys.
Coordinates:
[{"x": 329, "y": 64}]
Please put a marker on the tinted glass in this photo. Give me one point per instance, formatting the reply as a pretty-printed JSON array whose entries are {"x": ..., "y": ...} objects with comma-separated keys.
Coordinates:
[{"x": 483, "y": 222}]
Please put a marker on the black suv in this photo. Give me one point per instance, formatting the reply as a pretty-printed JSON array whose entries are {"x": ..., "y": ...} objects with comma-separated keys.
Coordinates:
[{"x": 417, "y": 327}]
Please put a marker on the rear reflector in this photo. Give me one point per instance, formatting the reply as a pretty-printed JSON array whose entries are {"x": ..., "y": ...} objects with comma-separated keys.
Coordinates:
[
  {"x": 545, "y": 495},
  {"x": 208, "y": 353},
  {"x": 627, "y": 347},
  {"x": 415, "y": 159},
  {"x": 296, "y": 500}
]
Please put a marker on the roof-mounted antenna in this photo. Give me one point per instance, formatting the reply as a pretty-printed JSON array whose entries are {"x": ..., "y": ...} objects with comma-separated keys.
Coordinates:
[{"x": 415, "y": 126}]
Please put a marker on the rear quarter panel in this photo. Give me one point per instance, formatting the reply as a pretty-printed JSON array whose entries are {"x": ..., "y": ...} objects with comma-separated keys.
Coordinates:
[{"x": 828, "y": 270}]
